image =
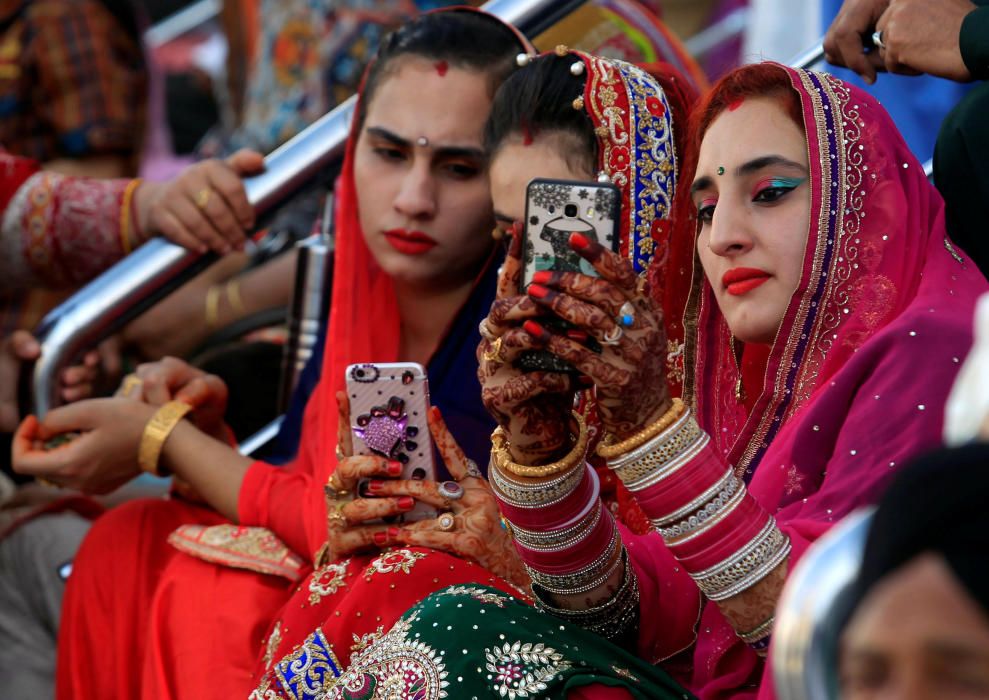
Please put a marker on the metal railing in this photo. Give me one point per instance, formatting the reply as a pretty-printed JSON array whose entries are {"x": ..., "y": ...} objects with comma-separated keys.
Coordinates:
[{"x": 158, "y": 267}]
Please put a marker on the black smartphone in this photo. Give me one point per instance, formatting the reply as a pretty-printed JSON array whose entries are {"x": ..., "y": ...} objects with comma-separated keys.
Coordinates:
[{"x": 554, "y": 209}]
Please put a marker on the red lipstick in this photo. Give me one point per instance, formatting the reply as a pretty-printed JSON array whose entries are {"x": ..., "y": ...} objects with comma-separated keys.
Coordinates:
[
  {"x": 409, "y": 242},
  {"x": 742, "y": 280}
]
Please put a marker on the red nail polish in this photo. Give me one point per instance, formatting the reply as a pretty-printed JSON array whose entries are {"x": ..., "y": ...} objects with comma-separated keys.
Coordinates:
[
  {"x": 394, "y": 468},
  {"x": 538, "y": 291},
  {"x": 406, "y": 503},
  {"x": 374, "y": 486},
  {"x": 393, "y": 533},
  {"x": 380, "y": 538},
  {"x": 579, "y": 336},
  {"x": 535, "y": 330},
  {"x": 542, "y": 277},
  {"x": 579, "y": 241}
]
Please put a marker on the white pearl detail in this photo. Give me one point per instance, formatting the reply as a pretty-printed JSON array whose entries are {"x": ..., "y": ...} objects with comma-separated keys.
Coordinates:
[
  {"x": 522, "y": 60},
  {"x": 577, "y": 68},
  {"x": 604, "y": 177}
]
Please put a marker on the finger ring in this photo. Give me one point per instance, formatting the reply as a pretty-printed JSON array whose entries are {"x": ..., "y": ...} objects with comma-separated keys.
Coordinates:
[
  {"x": 472, "y": 469},
  {"x": 336, "y": 517},
  {"x": 613, "y": 336},
  {"x": 131, "y": 382},
  {"x": 493, "y": 353},
  {"x": 335, "y": 488},
  {"x": 451, "y": 490},
  {"x": 485, "y": 330},
  {"x": 446, "y": 522},
  {"x": 202, "y": 197},
  {"x": 340, "y": 455},
  {"x": 877, "y": 40},
  {"x": 626, "y": 314},
  {"x": 47, "y": 482}
]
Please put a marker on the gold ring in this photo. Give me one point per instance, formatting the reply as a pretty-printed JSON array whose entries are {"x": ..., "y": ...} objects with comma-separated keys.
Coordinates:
[
  {"x": 335, "y": 516},
  {"x": 335, "y": 489},
  {"x": 493, "y": 353},
  {"x": 46, "y": 482},
  {"x": 202, "y": 197},
  {"x": 446, "y": 522},
  {"x": 340, "y": 455},
  {"x": 131, "y": 381}
]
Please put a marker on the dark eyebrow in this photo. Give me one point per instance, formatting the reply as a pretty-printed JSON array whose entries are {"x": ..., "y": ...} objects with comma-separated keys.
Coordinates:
[
  {"x": 752, "y": 166},
  {"x": 757, "y": 164},
  {"x": 441, "y": 151}
]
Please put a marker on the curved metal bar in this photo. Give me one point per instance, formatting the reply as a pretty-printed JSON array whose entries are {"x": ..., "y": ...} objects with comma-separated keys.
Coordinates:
[
  {"x": 811, "y": 610},
  {"x": 159, "y": 267},
  {"x": 809, "y": 58}
]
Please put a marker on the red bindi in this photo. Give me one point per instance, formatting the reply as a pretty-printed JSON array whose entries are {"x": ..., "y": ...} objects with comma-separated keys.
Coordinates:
[
  {"x": 441, "y": 67},
  {"x": 526, "y": 135},
  {"x": 735, "y": 104}
]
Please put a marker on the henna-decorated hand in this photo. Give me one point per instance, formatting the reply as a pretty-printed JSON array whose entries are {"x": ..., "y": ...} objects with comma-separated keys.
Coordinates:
[
  {"x": 532, "y": 407},
  {"x": 629, "y": 373},
  {"x": 346, "y": 515},
  {"x": 477, "y": 533}
]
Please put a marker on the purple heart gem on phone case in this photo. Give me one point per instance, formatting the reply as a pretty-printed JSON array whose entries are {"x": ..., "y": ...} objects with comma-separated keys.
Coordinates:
[{"x": 384, "y": 428}]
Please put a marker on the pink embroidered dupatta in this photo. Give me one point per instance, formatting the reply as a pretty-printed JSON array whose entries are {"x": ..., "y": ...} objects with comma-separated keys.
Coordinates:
[{"x": 856, "y": 381}]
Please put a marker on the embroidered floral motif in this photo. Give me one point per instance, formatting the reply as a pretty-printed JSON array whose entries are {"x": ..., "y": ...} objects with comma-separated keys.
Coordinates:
[
  {"x": 252, "y": 548},
  {"x": 394, "y": 668},
  {"x": 397, "y": 560},
  {"x": 479, "y": 594},
  {"x": 327, "y": 581},
  {"x": 523, "y": 670},
  {"x": 271, "y": 646},
  {"x": 365, "y": 640},
  {"x": 264, "y": 691},
  {"x": 310, "y": 670}
]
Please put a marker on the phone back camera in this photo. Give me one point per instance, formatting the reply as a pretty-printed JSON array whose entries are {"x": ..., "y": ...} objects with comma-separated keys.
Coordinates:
[{"x": 570, "y": 211}]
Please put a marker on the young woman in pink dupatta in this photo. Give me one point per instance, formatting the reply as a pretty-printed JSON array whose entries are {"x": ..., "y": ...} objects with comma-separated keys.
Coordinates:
[{"x": 824, "y": 313}]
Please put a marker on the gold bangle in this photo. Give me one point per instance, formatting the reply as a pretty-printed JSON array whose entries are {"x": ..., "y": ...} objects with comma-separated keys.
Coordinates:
[
  {"x": 504, "y": 461},
  {"x": 609, "y": 451},
  {"x": 212, "y": 307},
  {"x": 236, "y": 301},
  {"x": 125, "y": 215},
  {"x": 157, "y": 430}
]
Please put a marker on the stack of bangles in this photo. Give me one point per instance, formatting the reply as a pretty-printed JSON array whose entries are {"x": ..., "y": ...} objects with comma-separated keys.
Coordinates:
[
  {"x": 702, "y": 510},
  {"x": 564, "y": 535}
]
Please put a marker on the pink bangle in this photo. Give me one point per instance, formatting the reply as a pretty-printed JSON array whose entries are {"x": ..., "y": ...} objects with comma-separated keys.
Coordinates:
[
  {"x": 724, "y": 542},
  {"x": 553, "y": 515},
  {"x": 662, "y": 499}
]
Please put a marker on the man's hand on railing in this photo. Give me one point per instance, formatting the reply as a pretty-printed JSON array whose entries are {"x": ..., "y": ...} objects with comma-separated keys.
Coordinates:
[
  {"x": 19, "y": 347},
  {"x": 205, "y": 207}
]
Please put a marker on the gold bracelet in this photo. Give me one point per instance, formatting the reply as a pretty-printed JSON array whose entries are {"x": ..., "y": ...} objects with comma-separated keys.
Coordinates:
[
  {"x": 125, "y": 215},
  {"x": 576, "y": 454},
  {"x": 236, "y": 301},
  {"x": 609, "y": 451},
  {"x": 212, "y": 306},
  {"x": 157, "y": 430}
]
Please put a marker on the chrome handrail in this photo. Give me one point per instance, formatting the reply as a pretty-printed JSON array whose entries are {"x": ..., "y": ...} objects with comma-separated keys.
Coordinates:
[
  {"x": 809, "y": 58},
  {"x": 182, "y": 22},
  {"x": 158, "y": 267},
  {"x": 811, "y": 610}
]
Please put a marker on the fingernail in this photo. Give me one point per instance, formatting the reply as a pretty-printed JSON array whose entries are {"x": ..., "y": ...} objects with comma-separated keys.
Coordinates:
[
  {"x": 394, "y": 468},
  {"x": 374, "y": 486},
  {"x": 394, "y": 532},
  {"x": 406, "y": 503},
  {"x": 577, "y": 335},
  {"x": 542, "y": 277},
  {"x": 579, "y": 241},
  {"x": 380, "y": 538},
  {"x": 538, "y": 291},
  {"x": 535, "y": 330}
]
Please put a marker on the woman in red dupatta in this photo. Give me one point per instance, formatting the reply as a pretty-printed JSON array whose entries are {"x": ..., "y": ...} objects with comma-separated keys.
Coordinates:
[
  {"x": 796, "y": 424},
  {"x": 142, "y": 618}
]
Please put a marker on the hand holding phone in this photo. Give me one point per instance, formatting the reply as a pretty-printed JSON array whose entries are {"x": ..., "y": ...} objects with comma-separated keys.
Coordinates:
[
  {"x": 555, "y": 209},
  {"x": 389, "y": 404}
]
